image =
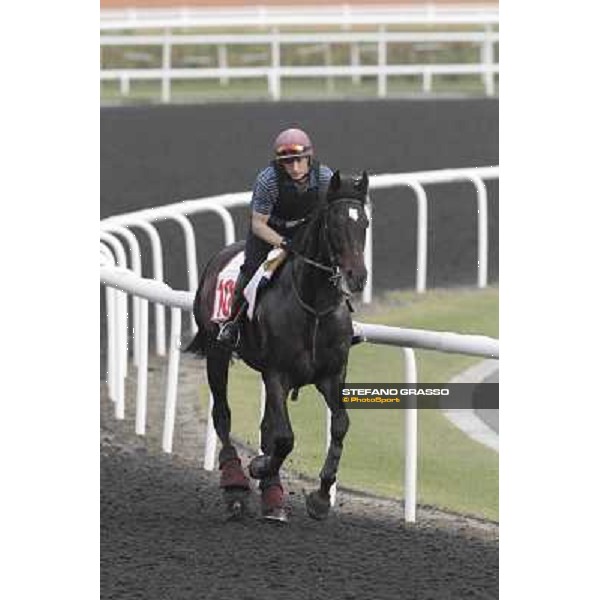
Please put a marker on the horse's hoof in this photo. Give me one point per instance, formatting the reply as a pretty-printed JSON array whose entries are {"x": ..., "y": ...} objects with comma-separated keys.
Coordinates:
[
  {"x": 277, "y": 515},
  {"x": 273, "y": 504},
  {"x": 258, "y": 467},
  {"x": 236, "y": 503},
  {"x": 318, "y": 505}
]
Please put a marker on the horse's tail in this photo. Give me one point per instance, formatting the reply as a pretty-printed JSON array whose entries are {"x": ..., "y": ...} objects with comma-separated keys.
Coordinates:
[{"x": 198, "y": 345}]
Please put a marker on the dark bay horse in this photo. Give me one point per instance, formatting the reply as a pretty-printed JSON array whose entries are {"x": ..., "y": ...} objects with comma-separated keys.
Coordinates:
[{"x": 300, "y": 334}]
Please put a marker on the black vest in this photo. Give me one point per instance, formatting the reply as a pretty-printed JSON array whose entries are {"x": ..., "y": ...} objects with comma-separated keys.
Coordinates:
[{"x": 291, "y": 204}]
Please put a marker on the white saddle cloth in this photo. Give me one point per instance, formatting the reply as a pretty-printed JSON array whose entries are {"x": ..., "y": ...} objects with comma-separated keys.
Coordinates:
[
  {"x": 226, "y": 284},
  {"x": 224, "y": 288}
]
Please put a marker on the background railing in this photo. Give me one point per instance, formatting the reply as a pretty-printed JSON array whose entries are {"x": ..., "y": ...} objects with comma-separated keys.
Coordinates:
[
  {"x": 370, "y": 50},
  {"x": 341, "y": 15},
  {"x": 219, "y": 205}
]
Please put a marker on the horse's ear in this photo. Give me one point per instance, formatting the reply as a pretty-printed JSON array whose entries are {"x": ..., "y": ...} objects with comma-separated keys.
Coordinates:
[{"x": 335, "y": 182}]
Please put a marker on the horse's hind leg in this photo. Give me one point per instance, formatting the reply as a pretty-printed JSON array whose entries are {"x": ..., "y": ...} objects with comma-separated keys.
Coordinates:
[
  {"x": 319, "y": 501},
  {"x": 234, "y": 483}
]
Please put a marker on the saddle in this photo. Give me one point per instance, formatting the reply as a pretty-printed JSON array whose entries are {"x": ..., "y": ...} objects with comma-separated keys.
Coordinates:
[{"x": 227, "y": 278}]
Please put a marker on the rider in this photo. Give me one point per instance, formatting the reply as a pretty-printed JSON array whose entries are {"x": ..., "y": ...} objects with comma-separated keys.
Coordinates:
[{"x": 283, "y": 196}]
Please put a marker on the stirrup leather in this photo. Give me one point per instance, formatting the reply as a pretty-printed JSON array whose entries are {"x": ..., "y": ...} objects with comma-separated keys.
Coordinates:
[{"x": 229, "y": 334}]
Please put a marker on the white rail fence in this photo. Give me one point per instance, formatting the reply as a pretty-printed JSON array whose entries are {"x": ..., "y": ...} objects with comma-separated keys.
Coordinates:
[
  {"x": 274, "y": 40},
  {"x": 339, "y": 15},
  {"x": 124, "y": 225},
  {"x": 120, "y": 281},
  {"x": 123, "y": 278}
]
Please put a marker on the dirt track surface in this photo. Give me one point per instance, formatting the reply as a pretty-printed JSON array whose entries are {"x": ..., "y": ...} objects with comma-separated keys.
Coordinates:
[{"x": 163, "y": 534}]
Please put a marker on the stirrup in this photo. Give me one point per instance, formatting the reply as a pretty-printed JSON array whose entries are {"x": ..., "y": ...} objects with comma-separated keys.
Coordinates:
[{"x": 229, "y": 334}]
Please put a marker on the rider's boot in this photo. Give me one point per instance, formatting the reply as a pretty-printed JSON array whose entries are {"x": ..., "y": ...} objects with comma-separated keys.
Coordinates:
[{"x": 229, "y": 334}]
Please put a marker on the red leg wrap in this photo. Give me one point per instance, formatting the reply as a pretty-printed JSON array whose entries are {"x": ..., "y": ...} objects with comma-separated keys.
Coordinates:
[
  {"x": 232, "y": 474},
  {"x": 272, "y": 497}
]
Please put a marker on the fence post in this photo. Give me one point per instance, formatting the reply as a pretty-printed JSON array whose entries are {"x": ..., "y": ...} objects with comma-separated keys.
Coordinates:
[
  {"x": 410, "y": 441},
  {"x": 427, "y": 80},
  {"x": 121, "y": 311},
  {"x": 222, "y": 58},
  {"x": 172, "y": 373},
  {"x": 111, "y": 342},
  {"x": 157, "y": 273},
  {"x": 166, "y": 67},
  {"x": 482, "y": 232},
  {"x": 487, "y": 60},
  {"x": 275, "y": 72},
  {"x": 191, "y": 259},
  {"x": 421, "y": 275},
  {"x": 355, "y": 61},
  {"x": 136, "y": 266},
  {"x": 111, "y": 324},
  {"x": 328, "y": 57},
  {"x": 124, "y": 79},
  {"x": 382, "y": 63},
  {"x": 142, "y": 373}
]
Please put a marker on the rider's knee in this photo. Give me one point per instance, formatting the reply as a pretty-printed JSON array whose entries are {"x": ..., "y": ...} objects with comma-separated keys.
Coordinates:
[
  {"x": 246, "y": 269},
  {"x": 249, "y": 268}
]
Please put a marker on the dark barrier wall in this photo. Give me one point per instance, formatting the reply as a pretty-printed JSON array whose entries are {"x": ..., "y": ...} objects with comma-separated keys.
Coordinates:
[{"x": 156, "y": 155}]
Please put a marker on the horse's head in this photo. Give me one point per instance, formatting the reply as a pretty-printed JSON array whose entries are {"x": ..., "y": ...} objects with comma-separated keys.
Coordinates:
[{"x": 346, "y": 225}]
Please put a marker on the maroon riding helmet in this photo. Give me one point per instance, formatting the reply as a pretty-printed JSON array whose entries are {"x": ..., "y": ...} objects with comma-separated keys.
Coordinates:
[{"x": 292, "y": 143}]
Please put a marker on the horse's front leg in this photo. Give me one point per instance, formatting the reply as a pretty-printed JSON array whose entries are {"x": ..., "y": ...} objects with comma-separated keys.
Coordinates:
[
  {"x": 277, "y": 441},
  {"x": 234, "y": 483},
  {"x": 319, "y": 501}
]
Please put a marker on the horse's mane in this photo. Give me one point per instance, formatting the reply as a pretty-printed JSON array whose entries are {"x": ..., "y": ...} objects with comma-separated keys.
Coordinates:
[{"x": 310, "y": 230}]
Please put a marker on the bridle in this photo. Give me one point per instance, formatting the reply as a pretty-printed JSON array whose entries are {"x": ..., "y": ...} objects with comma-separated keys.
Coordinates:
[{"x": 337, "y": 278}]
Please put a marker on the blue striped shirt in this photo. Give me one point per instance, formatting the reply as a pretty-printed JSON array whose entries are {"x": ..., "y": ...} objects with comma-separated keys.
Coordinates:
[{"x": 265, "y": 192}]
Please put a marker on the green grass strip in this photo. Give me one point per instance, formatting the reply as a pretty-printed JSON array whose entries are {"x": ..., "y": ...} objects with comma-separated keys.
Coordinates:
[{"x": 454, "y": 472}]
